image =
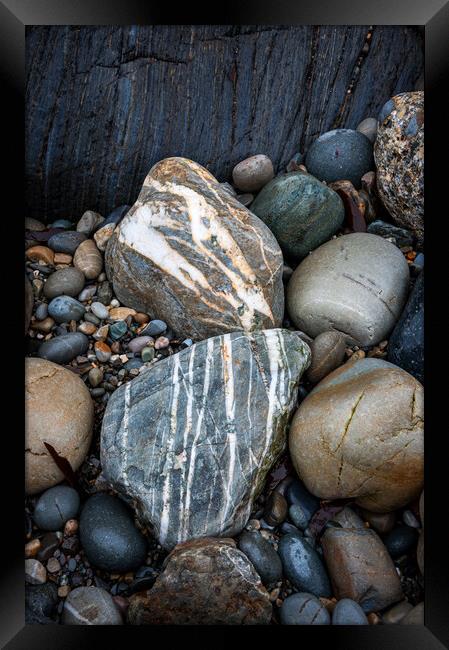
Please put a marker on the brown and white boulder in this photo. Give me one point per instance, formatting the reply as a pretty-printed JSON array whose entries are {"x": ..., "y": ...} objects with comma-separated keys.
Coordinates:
[
  {"x": 189, "y": 253},
  {"x": 362, "y": 427},
  {"x": 204, "y": 582},
  {"x": 59, "y": 411}
]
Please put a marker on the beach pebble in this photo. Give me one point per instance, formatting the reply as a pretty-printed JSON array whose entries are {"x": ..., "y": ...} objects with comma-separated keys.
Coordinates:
[
  {"x": 303, "y": 609},
  {"x": 102, "y": 351},
  {"x": 66, "y": 242},
  {"x": 328, "y": 351},
  {"x": 348, "y": 612},
  {"x": 263, "y": 557},
  {"x": 69, "y": 282},
  {"x": 251, "y": 174},
  {"x": 64, "y": 348},
  {"x": 35, "y": 572},
  {"x": 90, "y": 606},
  {"x": 55, "y": 507},
  {"x": 88, "y": 259},
  {"x": 89, "y": 222},
  {"x": 65, "y": 308},
  {"x": 368, "y": 127},
  {"x": 99, "y": 310},
  {"x": 40, "y": 254},
  {"x": 303, "y": 566}
]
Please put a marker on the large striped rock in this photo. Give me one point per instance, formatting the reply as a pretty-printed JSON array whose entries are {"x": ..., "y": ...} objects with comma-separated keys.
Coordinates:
[
  {"x": 192, "y": 439},
  {"x": 188, "y": 252}
]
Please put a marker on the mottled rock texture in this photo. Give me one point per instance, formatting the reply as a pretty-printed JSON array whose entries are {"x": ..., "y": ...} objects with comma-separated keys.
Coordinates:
[
  {"x": 399, "y": 156},
  {"x": 301, "y": 212},
  {"x": 59, "y": 411},
  {"x": 356, "y": 284},
  {"x": 205, "y": 582},
  {"x": 190, "y": 253},
  {"x": 192, "y": 439},
  {"x": 362, "y": 426}
]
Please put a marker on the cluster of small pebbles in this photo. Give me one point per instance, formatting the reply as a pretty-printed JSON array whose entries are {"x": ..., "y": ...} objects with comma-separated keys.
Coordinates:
[{"x": 328, "y": 536}]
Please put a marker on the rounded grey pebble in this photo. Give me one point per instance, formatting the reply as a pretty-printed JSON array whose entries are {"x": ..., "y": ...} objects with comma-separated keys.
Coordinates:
[
  {"x": 90, "y": 606},
  {"x": 303, "y": 609},
  {"x": 99, "y": 310},
  {"x": 91, "y": 318},
  {"x": 56, "y": 506},
  {"x": 341, "y": 154},
  {"x": 368, "y": 127},
  {"x": 87, "y": 292},
  {"x": 133, "y": 363},
  {"x": 69, "y": 282},
  {"x": 64, "y": 348},
  {"x": 154, "y": 328},
  {"x": 302, "y": 565},
  {"x": 348, "y": 612},
  {"x": 66, "y": 242},
  {"x": 65, "y": 308},
  {"x": 41, "y": 311},
  {"x": 263, "y": 556},
  {"x": 109, "y": 536}
]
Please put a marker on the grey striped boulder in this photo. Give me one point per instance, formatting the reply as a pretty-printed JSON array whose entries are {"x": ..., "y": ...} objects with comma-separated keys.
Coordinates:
[
  {"x": 192, "y": 439},
  {"x": 189, "y": 253}
]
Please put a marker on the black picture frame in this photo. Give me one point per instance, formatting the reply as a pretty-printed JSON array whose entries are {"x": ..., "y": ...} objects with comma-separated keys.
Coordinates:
[{"x": 433, "y": 16}]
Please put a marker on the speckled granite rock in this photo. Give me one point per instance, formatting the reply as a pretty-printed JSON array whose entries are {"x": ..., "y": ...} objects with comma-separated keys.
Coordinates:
[
  {"x": 193, "y": 439},
  {"x": 406, "y": 344},
  {"x": 362, "y": 426},
  {"x": 356, "y": 284},
  {"x": 300, "y": 211},
  {"x": 205, "y": 582},
  {"x": 399, "y": 156},
  {"x": 189, "y": 253}
]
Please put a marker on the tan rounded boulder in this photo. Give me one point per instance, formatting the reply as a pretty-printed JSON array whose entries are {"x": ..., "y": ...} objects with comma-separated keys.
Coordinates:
[
  {"x": 360, "y": 434},
  {"x": 59, "y": 411}
]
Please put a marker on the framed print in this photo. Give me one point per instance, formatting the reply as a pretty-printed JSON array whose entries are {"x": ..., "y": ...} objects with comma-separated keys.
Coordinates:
[{"x": 228, "y": 330}]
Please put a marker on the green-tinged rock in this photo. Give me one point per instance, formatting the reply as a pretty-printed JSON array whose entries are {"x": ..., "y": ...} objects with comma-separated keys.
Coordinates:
[{"x": 301, "y": 212}]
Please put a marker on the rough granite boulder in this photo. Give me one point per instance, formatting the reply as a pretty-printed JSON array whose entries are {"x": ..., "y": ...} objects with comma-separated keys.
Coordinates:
[
  {"x": 192, "y": 439},
  {"x": 189, "y": 253},
  {"x": 204, "y": 582}
]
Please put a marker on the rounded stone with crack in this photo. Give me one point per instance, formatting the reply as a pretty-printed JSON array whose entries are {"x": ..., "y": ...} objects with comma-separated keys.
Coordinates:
[{"x": 363, "y": 426}]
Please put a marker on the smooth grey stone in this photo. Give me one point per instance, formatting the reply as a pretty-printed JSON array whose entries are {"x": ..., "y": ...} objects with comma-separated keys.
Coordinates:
[
  {"x": 104, "y": 293},
  {"x": 116, "y": 215},
  {"x": 368, "y": 127},
  {"x": 41, "y": 602},
  {"x": 218, "y": 431},
  {"x": 301, "y": 212},
  {"x": 66, "y": 242},
  {"x": 133, "y": 363},
  {"x": 341, "y": 154},
  {"x": 286, "y": 528},
  {"x": 139, "y": 343},
  {"x": 99, "y": 310},
  {"x": 56, "y": 506},
  {"x": 63, "y": 349},
  {"x": 402, "y": 236},
  {"x": 65, "y": 308},
  {"x": 406, "y": 343},
  {"x": 90, "y": 606},
  {"x": 69, "y": 282},
  {"x": 154, "y": 328},
  {"x": 263, "y": 556},
  {"x": 42, "y": 311},
  {"x": 356, "y": 284},
  {"x": 348, "y": 612},
  {"x": 303, "y": 609},
  {"x": 109, "y": 536},
  {"x": 87, "y": 293},
  {"x": 303, "y": 567},
  {"x": 414, "y": 616},
  {"x": 61, "y": 223},
  {"x": 401, "y": 540},
  {"x": 305, "y": 504},
  {"x": 409, "y": 519},
  {"x": 91, "y": 318}
]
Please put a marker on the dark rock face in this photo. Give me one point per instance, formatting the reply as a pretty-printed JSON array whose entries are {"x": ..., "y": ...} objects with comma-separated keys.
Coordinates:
[
  {"x": 263, "y": 556},
  {"x": 360, "y": 567},
  {"x": 301, "y": 212},
  {"x": 193, "y": 439},
  {"x": 205, "y": 582},
  {"x": 191, "y": 254},
  {"x": 40, "y": 604},
  {"x": 406, "y": 344},
  {"x": 64, "y": 348},
  {"x": 108, "y": 535},
  {"x": 341, "y": 154},
  {"x": 302, "y": 566}
]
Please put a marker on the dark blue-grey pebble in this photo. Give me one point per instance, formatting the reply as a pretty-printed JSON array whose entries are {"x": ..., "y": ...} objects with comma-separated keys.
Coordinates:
[
  {"x": 154, "y": 328},
  {"x": 63, "y": 349},
  {"x": 348, "y": 612},
  {"x": 66, "y": 242},
  {"x": 263, "y": 556},
  {"x": 118, "y": 329},
  {"x": 41, "y": 311},
  {"x": 133, "y": 363},
  {"x": 402, "y": 236},
  {"x": 116, "y": 215},
  {"x": 286, "y": 528},
  {"x": 55, "y": 507},
  {"x": 65, "y": 308},
  {"x": 406, "y": 344},
  {"x": 61, "y": 223},
  {"x": 341, "y": 154},
  {"x": 298, "y": 495},
  {"x": 109, "y": 536},
  {"x": 401, "y": 540},
  {"x": 303, "y": 566},
  {"x": 303, "y": 609}
]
